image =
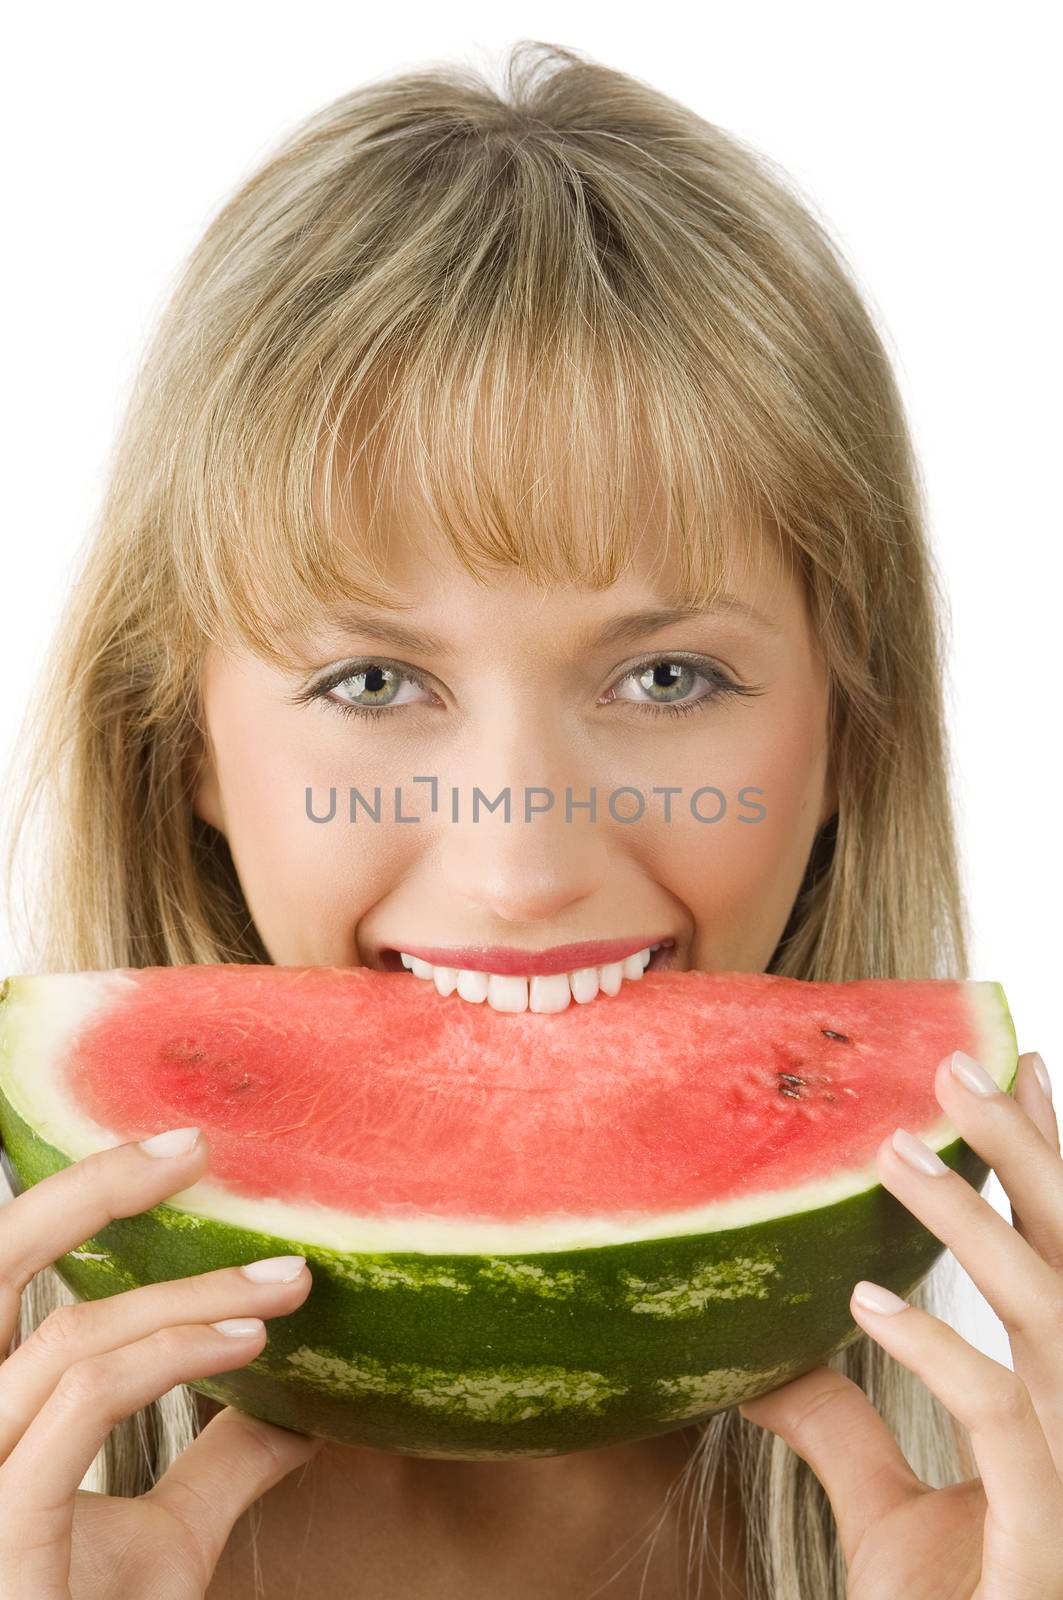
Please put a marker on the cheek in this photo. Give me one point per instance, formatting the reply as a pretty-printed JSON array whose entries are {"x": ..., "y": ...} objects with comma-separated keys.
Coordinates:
[
  {"x": 792, "y": 763},
  {"x": 306, "y": 883},
  {"x": 739, "y": 878}
]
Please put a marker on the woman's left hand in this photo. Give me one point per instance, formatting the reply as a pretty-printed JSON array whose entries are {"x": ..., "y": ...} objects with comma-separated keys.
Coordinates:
[{"x": 998, "y": 1536}]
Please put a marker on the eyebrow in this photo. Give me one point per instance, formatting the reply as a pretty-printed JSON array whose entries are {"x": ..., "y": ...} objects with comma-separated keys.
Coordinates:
[{"x": 632, "y": 625}]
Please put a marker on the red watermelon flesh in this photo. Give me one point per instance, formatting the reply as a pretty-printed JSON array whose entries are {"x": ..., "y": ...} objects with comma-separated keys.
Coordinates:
[{"x": 372, "y": 1094}]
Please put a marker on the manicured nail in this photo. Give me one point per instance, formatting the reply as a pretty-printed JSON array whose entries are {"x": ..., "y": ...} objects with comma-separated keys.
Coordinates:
[
  {"x": 174, "y": 1142},
  {"x": 239, "y": 1327},
  {"x": 274, "y": 1269},
  {"x": 917, "y": 1154},
  {"x": 1041, "y": 1074},
  {"x": 873, "y": 1297},
  {"x": 971, "y": 1075}
]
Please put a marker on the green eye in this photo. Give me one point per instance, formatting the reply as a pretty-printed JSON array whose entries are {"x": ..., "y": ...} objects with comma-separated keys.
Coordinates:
[
  {"x": 380, "y": 683},
  {"x": 381, "y": 680},
  {"x": 678, "y": 672}
]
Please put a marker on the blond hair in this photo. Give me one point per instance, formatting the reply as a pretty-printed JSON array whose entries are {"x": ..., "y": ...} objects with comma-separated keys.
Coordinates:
[{"x": 482, "y": 273}]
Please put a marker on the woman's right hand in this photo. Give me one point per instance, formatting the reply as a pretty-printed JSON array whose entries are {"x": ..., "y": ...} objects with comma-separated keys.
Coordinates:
[{"x": 90, "y": 1365}]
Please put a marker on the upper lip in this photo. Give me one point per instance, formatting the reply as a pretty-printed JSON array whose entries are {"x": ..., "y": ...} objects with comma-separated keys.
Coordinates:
[{"x": 509, "y": 961}]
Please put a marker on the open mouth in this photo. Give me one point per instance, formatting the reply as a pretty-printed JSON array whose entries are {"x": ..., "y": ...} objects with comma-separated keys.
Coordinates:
[
  {"x": 531, "y": 992},
  {"x": 660, "y": 959}
]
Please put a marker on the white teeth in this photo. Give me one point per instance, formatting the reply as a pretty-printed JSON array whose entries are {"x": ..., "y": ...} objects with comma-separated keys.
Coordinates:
[
  {"x": 635, "y": 965},
  {"x": 473, "y": 985},
  {"x": 549, "y": 992},
  {"x": 507, "y": 994},
  {"x": 542, "y": 993},
  {"x": 584, "y": 984},
  {"x": 611, "y": 977}
]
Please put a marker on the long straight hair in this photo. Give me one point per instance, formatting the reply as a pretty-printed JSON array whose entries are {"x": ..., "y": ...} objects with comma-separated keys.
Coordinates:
[{"x": 516, "y": 291}]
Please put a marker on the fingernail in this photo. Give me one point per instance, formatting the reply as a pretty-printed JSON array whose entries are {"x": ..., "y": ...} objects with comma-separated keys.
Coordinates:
[
  {"x": 174, "y": 1142},
  {"x": 873, "y": 1297},
  {"x": 274, "y": 1269},
  {"x": 1041, "y": 1073},
  {"x": 971, "y": 1075},
  {"x": 239, "y": 1327},
  {"x": 917, "y": 1154}
]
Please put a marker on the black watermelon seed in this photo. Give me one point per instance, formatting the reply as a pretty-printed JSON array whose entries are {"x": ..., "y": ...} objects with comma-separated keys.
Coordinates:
[{"x": 830, "y": 1034}]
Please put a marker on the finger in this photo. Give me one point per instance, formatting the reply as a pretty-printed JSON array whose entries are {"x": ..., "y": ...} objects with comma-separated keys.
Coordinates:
[
  {"x": 40, "y": 1477},
  {"x": 829, "y": 1422},
  {"x": 1005, "y": 1132},
  {"x": 60, "y": 1212},
  {"x": 1022, "y": 1486},
  {"x": 226, "y": 1468},
  {"x": 1021, "y": 1286},
  {"x": 1037, "y": 1103},
  {"x": 72, "y": 1333}
]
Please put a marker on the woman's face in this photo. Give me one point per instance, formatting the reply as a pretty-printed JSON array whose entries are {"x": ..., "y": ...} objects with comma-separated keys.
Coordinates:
[{"x": 517, "y": 692}]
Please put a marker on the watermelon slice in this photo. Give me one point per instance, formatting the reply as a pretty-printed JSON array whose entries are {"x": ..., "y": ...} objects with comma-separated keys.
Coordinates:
[{"x": 529, "y": 1233}]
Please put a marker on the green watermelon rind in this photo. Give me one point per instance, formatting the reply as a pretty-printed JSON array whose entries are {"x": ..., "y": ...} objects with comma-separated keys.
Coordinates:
[{"x": 480, "y": 1356}]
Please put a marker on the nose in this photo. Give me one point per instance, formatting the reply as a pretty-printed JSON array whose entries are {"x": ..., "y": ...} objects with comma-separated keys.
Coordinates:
[{"x": 524, "y": 871}]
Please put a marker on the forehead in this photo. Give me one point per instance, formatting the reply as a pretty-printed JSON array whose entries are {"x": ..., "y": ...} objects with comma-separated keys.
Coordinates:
[{"x": 420, "y": 563}]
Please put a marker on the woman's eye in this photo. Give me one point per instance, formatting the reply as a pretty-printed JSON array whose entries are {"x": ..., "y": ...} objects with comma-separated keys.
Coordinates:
[
  {"x": 668, "y": 682},
  {"x": 368, "y": 688}
]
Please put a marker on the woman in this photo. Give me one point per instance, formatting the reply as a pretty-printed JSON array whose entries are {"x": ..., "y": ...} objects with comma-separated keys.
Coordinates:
[{"x": 501, "y": 369}]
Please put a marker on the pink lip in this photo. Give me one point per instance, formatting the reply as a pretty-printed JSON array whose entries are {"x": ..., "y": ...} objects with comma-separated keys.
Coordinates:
[{"x": 508, "y": 961}]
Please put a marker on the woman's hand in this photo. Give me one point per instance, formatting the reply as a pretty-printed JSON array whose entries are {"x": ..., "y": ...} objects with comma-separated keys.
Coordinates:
[
  {"x": 87, "y": 1366},
  {"x": 998, "y": 1536}
]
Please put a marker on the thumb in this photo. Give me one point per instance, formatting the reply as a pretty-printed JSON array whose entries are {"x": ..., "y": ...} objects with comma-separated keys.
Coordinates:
[
  {"x": 227, "y": 1467},
  {"x": 830, "y": 1423}
]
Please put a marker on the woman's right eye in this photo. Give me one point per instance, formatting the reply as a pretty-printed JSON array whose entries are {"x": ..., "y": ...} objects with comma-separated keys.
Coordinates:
[{"x": 379, "y": 680}]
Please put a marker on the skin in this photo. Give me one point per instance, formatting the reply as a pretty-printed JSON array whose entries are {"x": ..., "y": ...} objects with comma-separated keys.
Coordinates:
[
  {"x": 516, "y": 703},
  {"x": 516, "y": 700}
]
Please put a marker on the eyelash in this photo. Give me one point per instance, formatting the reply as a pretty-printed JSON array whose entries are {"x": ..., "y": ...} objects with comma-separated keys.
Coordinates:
[{"x": 723, "y": 685}]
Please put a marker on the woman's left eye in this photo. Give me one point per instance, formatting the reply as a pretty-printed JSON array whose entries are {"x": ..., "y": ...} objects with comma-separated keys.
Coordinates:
[
  {"x": 659, "y": 676},
  {"x": 663, "y": 674}
]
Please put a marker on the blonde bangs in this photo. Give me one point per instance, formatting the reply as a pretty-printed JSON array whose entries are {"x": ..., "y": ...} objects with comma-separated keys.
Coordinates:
[{"x": 539, "y": 390}]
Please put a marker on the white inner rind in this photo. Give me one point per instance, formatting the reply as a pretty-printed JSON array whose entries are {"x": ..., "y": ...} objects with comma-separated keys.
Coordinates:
[{"x": 43, "y": 1014}]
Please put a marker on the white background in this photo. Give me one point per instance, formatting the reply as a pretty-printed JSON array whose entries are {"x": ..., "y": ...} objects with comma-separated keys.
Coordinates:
[{"x": 922, "y": 134}]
